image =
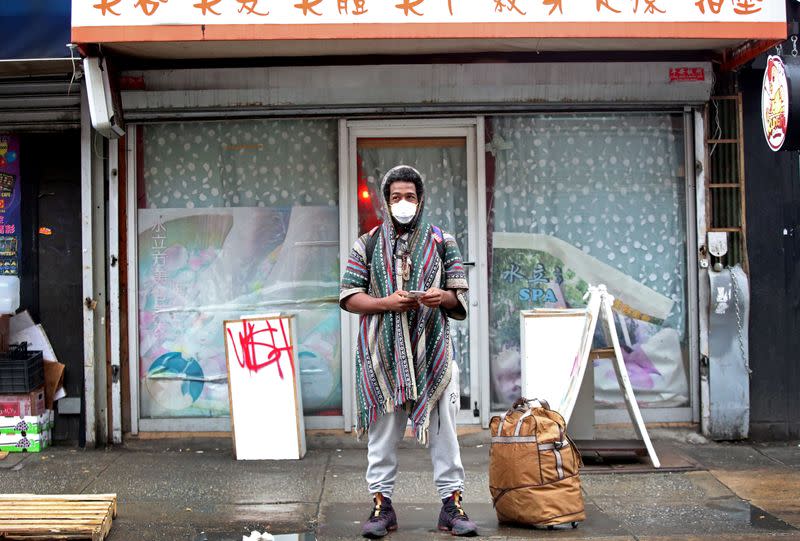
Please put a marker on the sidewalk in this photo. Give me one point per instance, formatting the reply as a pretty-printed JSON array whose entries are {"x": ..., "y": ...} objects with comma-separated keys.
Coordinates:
[{"x": 193, "y": 490}]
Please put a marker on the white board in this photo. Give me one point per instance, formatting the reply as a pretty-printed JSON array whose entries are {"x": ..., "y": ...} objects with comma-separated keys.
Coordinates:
[
  {"x": 556, "y": 344},
  {"x": 264, "y": 389},
  {"x": 554, "y": 350}
]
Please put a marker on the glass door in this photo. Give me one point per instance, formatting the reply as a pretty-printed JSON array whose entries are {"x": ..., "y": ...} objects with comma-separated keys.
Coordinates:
[{"x": 446, "y": 159}]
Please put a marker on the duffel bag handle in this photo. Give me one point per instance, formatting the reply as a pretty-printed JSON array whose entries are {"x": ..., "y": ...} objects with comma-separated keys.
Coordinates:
[
  {"x": 524, "y": 403},
  {"x": 521, "y": 404}
]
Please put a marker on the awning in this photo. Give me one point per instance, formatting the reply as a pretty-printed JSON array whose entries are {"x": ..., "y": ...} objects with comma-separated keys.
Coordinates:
[{"x": 34, "y": 29}]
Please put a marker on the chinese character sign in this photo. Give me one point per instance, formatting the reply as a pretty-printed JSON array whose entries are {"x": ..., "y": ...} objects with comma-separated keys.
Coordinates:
[
  {"x": 686, "y": 74},
  {"x": 89, "y": 13},
  {"x": 10, "y": 204}
]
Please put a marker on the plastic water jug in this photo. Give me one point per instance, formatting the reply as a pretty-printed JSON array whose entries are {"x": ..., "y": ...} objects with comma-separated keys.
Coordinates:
[{"x": 9, "y": 294}]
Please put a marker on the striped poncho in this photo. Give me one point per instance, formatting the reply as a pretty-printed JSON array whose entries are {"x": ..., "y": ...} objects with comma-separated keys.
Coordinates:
[{"x": 403, "y": 360}]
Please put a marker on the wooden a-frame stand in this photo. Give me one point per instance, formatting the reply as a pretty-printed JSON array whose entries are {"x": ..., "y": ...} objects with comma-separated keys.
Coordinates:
[{"x": 599, "y": 307}]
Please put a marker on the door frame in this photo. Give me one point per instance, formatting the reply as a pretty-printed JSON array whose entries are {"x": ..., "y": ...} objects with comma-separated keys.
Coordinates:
[{"x": 472, "y": 129}]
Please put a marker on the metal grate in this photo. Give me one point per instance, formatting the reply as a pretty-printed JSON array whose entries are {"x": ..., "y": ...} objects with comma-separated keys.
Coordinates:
[{"x": 725, "y": 204}]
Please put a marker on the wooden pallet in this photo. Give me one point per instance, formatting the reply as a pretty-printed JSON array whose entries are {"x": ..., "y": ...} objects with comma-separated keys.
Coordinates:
[{"x": 56, "y": 517}]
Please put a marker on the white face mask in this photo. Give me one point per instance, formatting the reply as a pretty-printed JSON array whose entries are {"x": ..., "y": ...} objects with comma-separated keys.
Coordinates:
[{"x": 404, "y": 211}]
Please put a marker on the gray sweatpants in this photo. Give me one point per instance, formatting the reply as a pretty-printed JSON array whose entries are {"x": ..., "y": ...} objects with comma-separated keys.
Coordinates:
[{"x": 388, "y": 430}]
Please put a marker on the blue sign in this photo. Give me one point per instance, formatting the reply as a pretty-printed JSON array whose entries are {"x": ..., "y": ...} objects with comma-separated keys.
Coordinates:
[{"x": 34, "y": 29}]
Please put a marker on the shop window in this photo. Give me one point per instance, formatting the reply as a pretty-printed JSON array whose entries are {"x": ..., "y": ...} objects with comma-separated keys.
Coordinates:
[
  {"x": 235, "y": 218},
  {"x": 576, "y": 200}
]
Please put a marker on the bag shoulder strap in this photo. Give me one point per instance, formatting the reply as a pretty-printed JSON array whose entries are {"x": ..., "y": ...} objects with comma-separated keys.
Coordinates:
[
  {"x": 372, "y": 241},
  {"x": 438, "y": 238}
]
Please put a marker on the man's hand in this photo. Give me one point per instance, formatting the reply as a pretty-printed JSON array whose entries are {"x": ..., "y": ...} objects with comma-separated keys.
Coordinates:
[
  {"x": 361, "y": 303},
  {"x": 435, "y": 297},
  {"x": 399, "y": 302}
]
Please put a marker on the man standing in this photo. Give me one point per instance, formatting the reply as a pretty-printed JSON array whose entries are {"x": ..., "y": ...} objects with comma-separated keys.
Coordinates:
[{"x": 405, "y": 278}]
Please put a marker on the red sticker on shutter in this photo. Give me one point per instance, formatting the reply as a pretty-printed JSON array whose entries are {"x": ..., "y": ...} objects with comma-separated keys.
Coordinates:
[{"x": 686, "y": 74}]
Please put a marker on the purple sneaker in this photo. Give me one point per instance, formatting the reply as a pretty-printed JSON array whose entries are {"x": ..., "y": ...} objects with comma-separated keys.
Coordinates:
[
  {"x": 453, "y": 519},
  {"x": 382, "y": 520}
]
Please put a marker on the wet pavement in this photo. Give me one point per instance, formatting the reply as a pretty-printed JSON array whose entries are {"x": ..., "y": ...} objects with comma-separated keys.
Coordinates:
[{"x": 193, "y": 490}]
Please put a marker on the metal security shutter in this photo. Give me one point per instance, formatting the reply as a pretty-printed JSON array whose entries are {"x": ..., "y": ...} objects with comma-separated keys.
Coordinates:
[
  {"x": 40, "y": 103},
  {"x": 420, "y": 89}
]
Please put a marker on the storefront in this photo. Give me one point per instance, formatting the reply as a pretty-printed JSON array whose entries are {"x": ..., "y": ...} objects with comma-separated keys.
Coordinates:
[
  {"x": 40, "y": 192},
  {"x": 247, "y": 185}
]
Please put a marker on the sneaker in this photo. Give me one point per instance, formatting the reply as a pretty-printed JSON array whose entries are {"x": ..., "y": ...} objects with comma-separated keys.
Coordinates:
[
  {"x": 453, "y": 519},
  {"x": 382, "y": 520}
]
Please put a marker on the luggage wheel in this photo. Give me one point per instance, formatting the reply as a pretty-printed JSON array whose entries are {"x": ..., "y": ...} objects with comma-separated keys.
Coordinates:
[{"x": 574, "y": 525}]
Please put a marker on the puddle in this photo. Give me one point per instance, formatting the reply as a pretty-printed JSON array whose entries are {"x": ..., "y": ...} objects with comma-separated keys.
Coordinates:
[{"x": 746, "y": 514}]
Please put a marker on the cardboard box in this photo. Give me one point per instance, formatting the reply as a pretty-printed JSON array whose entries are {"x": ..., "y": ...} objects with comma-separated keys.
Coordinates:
[
  {"x": 20, "y": 321},
  {"x": 15, "y": 443},
  {"x": 23, "y": 405},
  {"x": 23, "y": 329},
  {"x": 26, "y": 426},
  {"x": 53, "y": 381},
  {"x": 36, "y": 339}
]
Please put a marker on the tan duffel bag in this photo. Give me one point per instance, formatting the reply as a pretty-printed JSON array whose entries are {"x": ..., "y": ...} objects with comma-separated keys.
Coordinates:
[{"x": 533, "y": 468}]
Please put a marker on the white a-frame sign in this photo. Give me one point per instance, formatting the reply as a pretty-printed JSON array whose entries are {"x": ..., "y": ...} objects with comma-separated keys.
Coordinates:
[{"x": 555, "y": 346}]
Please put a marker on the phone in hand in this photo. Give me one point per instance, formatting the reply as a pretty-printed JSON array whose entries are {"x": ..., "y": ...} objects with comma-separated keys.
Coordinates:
[{"x": 415, "y": 294}]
